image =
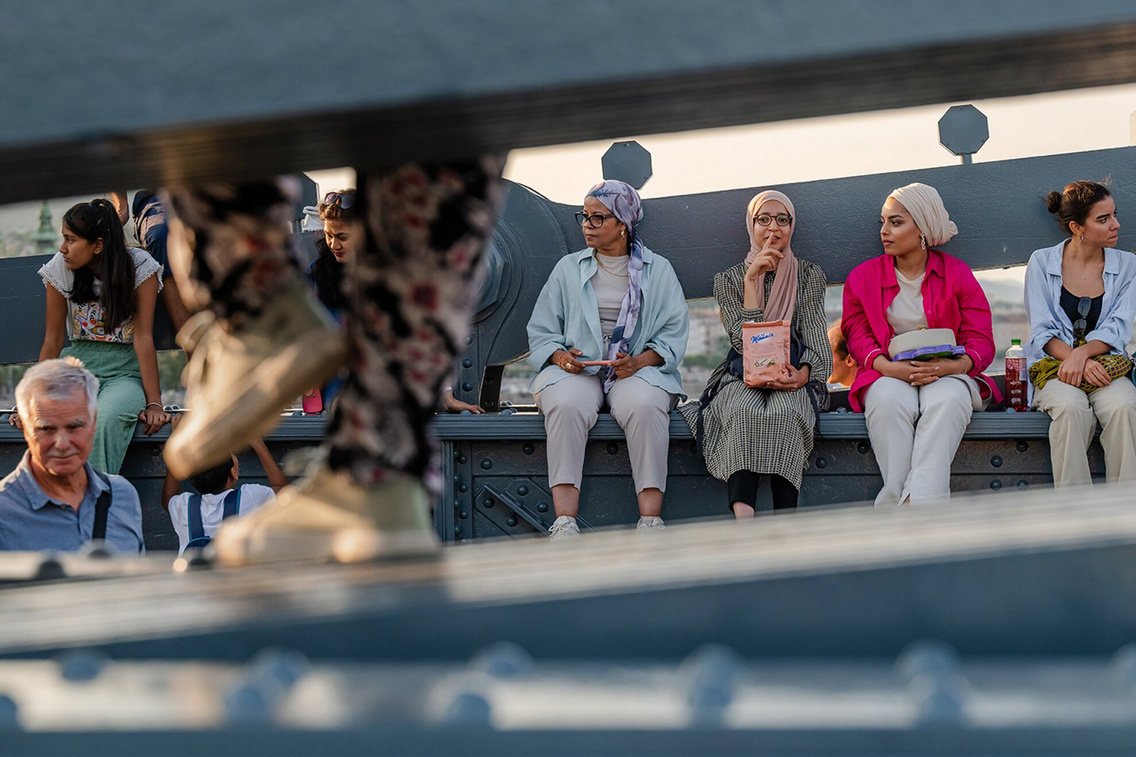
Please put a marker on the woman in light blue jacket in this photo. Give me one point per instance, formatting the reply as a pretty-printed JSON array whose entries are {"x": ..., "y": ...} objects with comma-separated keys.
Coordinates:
[
  {"x": 609, "y": 328},
  {"x": 1080, "y": 301}
]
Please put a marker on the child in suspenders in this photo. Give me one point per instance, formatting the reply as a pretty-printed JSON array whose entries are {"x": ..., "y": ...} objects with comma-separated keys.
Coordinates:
[{"x": 197, "y": 516}]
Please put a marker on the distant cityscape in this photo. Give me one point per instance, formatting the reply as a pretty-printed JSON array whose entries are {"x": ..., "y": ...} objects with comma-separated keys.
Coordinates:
[{"x": 43, "y": 240}]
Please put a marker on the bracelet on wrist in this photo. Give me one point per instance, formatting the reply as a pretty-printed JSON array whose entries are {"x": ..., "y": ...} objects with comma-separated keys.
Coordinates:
[{"x": 154, "y": 404}]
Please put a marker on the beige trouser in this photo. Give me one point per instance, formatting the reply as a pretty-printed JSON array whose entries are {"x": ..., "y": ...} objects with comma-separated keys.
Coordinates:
[
  {"x": 915, "y": 432},
  {"x": 570, "y": 408},
  {"x": 1074, "y": 417}
]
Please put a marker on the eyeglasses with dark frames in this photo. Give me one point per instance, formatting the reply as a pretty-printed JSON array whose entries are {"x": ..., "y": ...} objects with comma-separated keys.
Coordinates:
[
  {"x": 782, "y": 219},
  {"x": 593, "y": 221},
  {"x": 1081, "y": 324},
  {"x": 345, "y": 200}
]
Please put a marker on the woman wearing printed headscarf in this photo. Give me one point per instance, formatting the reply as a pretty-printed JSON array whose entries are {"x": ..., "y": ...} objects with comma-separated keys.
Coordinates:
[
  {"x": 609, "y": 328},
  {"x": 1080, "y": 301},
  {"x": 916, "y": 410},
  {"x": 748, "y": 432}
]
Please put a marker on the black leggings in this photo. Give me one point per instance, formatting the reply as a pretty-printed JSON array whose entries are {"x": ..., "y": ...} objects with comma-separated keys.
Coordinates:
[{"x": 742, "y": 487}]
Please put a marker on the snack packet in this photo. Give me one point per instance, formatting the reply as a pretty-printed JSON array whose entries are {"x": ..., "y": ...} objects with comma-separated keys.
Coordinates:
[{"x": 765, "y": 351}]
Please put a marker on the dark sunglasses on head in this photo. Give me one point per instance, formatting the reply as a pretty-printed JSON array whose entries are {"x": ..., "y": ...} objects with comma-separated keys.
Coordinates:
[
  {"x": 1081, "y": 324},
  {"x": 344, "y": 200}
]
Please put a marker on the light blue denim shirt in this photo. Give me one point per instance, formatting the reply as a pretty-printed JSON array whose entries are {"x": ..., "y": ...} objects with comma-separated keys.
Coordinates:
[
  {"x": 32, "y": 521},
  {"x": 567, "y": 315},
  {"x": 1043, "y": 301}
]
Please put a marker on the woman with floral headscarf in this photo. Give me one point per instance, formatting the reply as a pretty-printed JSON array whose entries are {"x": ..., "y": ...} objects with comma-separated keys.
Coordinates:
[
  {"x": 748, "y": 432},
  {"x": 916, "y": 410},
  {"x": 609, "y": 328}
]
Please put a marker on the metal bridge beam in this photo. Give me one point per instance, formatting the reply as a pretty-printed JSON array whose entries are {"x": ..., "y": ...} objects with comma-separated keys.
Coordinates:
[{"x": 156, "y": 94}]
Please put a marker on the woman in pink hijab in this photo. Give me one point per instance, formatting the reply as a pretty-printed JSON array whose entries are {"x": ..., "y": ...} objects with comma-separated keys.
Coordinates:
[{"x": 747, "y": 432}]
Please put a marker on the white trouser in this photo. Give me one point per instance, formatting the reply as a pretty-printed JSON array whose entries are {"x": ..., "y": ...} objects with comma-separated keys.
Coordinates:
[
  {"x": 915, "y": 432},
  {"x": 570, "y": 408},
  {"x": 1074, "y": 417}
]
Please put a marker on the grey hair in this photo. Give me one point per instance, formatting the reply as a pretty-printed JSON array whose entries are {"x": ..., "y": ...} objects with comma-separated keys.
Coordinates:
[{"x": 57, "y": 380}]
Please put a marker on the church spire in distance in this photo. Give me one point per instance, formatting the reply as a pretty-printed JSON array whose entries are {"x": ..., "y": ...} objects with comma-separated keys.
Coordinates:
[{"x": 45, "y": 240}]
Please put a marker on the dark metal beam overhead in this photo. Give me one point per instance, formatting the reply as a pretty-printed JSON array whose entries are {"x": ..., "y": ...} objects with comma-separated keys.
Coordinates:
[{"x": 102, "y": 94}]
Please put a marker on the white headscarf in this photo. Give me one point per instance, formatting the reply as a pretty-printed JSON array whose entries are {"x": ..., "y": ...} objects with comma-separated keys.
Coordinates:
[{"x": 928, "y": 212}]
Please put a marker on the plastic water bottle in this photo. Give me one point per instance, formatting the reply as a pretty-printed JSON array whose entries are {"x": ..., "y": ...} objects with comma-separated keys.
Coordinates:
[{"x": 1016, "y": 390}]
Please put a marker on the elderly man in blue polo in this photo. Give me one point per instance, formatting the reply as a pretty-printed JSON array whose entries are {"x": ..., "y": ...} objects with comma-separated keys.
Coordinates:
[{"x": 54, "y": 499}]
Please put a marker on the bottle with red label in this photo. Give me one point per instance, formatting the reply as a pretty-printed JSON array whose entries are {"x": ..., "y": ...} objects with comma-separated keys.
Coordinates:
[{"x": 1017, "y": 395}]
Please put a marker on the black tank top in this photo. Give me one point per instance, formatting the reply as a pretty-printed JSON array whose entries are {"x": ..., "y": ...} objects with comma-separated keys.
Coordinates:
[{"x": 1070, "y": 303}]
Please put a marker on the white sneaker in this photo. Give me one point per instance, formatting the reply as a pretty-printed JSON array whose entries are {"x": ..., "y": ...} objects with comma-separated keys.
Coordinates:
[
  {"x": 238, "y": 382},
  {"x": 564, "y": 528},
  {"x": 650, "y": 523}
]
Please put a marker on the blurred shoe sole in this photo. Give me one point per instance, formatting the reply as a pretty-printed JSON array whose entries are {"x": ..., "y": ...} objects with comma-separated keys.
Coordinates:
[
  {"x": 239, "y": 383},
  {"x": 326, "y": 518}
]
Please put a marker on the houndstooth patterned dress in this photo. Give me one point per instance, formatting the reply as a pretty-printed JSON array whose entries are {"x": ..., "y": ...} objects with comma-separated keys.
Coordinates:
[{"x": 764, "y": 431}]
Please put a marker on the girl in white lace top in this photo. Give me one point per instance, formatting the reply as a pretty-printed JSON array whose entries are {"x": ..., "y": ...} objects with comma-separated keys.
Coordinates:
[{"x": 101, "y": 295}]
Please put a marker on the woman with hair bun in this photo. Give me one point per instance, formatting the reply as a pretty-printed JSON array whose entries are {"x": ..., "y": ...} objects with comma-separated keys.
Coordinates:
[
  {"x": 1080, "y": 301},
  {"x": 101, "y": 294},
  {"x": 916, "y": 410}
]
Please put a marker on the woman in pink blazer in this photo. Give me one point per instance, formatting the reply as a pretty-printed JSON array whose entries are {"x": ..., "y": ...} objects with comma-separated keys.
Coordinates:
[{"x": 916, "y": 411}]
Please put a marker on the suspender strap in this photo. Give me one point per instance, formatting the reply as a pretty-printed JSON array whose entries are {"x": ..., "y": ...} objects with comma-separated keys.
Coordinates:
[
  {"x": 196, "y": 530},
  {"x": 232, "y": 504},
  {"x": 102, "y": 508}
]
